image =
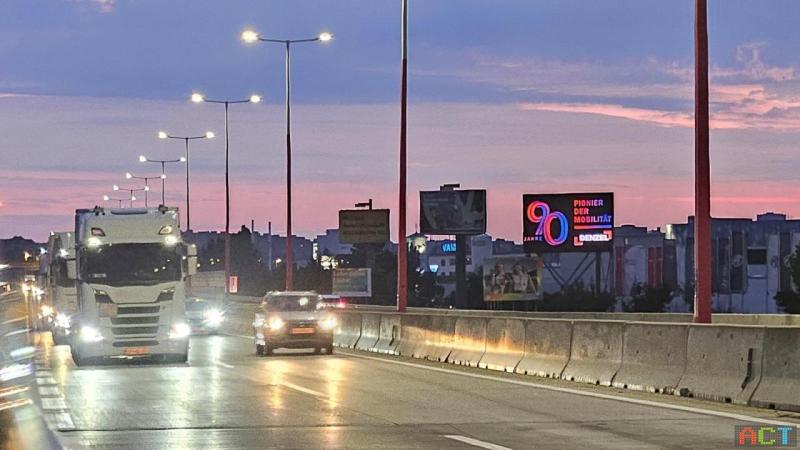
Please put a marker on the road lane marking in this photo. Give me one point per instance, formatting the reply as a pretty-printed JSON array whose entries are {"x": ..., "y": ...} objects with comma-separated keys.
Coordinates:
[
  {"x": 303, "y": 390},
  {"x": 49, "y": 391},
  {"x": 227, "y": 366},
  {"x": 43, "y": 381},
  {"x": 61, "y": 421},
  {"x": 43, "y": 373},
  {"x": 54, "y": 403},
  {"x": 475, "y": 442},
  {"x": 708, "y": 412}
]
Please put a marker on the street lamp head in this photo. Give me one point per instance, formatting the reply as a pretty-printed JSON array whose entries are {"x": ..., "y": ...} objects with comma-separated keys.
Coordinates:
[
  {"x": 147, "y": 188},
  {"x": 128, "y": 175},
  {"x": 198, "y": 98},
  {"x": 163, "y": 176},
  {"x": 325, "y": 37},
  {"x": 183, "y": 159},
  {"x": 133, "y": 198},
  {"x": 249, "y": 36},
  {"x": 116, "y": 188},
  {"x": 255, "y": 98},
  {"x": 142, "y": 158},
  {"x": 162, "y": 135},
  {"x": 210, "y": 135},
  {"x": 106, "y": 198}
]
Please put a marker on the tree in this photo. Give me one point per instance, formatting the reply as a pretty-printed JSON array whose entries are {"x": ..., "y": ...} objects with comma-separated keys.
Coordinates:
[
  {"x": 789, "y": 301},
  {"x": 577, "y": 298},
  {"x": 648, "y": 299}
]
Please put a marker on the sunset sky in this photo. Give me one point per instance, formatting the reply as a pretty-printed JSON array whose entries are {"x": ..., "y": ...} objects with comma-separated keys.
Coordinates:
[{"x": 515, "y": 97}]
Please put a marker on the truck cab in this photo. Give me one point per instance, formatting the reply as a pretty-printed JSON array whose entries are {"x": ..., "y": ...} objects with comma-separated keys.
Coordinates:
[{"x": 131, "y": 266}]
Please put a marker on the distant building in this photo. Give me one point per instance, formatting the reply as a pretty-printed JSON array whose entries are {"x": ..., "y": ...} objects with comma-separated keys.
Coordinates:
[
  {"x": 750, "y": 260},
  {"x": 330, "y": 245},
  {"x": 642, "y": 257}
]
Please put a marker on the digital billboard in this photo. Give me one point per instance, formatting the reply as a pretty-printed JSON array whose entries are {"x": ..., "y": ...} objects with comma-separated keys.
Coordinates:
[
  {"x": 512, "y": 278},
  {"x": 568, "y": 222},
  {"x": 363, "y": 226},
  {"x": 452, "y": 212}
]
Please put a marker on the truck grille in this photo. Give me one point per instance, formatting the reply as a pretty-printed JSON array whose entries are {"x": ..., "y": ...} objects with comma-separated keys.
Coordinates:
[
  {"x": 134, "y": 320},
  {"x": 124, "y": 310},
  {"x": 128, "y": 331}
]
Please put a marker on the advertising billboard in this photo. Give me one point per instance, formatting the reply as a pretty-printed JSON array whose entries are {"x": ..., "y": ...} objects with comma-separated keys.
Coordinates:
[
  {"x": 568, "y": 222},
  {"x": 352, "y": 282},
  {"x": 512, "y": 278},
  {"x": 452, "y": 212},
  {"x": 363, "y": 226}
]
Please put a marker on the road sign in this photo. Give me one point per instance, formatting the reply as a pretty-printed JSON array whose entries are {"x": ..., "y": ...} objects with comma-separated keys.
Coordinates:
[
  {"x": 364, "y": 226},
  {"x": 568, "y": 222},
  {"x": 234, "y": 284},
  {"x": 349, "y": 282}
]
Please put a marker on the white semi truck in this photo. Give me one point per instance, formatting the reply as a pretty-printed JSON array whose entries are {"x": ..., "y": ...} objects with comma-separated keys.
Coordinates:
[{"x": 130, "y": 270}]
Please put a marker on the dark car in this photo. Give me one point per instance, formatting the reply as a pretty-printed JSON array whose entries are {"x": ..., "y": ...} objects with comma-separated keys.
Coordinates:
[{"x": 293, "y": 319}]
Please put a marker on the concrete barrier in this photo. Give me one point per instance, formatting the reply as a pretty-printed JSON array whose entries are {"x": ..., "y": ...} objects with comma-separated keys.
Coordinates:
[
  {"x": 389, "y": 334},
  {"x": 780, "y": 371},
  {"x": 439, "y": 338},
  {"x": 596, "y": 352},
  {"x": 370, "y": 332},
  {"x": 653, "y": 357},
  {"x": 505, "y": 344},
  {"x": 547, "y": 348},
  {"x": 413, "y": 331},
  {"x": 723, "y": 362},
  {"x": 348, "y": 330},
  {"x": 469, "y": 341}
]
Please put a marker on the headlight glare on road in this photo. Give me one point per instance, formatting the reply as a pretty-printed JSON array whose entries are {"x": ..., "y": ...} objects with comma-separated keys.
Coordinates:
[
  {"x": 214, "y": 317},
  {"x": 90, "y": 334},
  {"x": 47, "y": 310},
  {"x": 180, "y": 331},
  {"x": 328, "y": 323},
  {"x": 62, "y": 320},
  {"x": 275, "y": 323}
]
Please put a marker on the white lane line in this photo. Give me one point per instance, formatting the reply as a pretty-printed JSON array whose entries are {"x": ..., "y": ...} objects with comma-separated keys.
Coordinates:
[
  {"x": 707, "y": 412},
  {"x": 303, "y": 390},
  {"x": 227, "y": 366},
  {"x": 43, "y": 381},
  {"x": 49, "y": 391},
  {"x": 54, "y": 403},
  {"x": 61, "y": 421},
  {"x": 475, "y": 442},
  {"x": 44, "y": 373}
]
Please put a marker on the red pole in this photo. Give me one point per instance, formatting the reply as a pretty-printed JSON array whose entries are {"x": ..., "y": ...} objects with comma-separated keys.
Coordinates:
[
  {"x": 289, "y": 255},
  {"x": 702, "y": 188},
  {"x": 402, "y": 247}
]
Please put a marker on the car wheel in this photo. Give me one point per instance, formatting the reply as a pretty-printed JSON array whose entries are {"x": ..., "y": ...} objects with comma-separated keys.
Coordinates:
[
  {"x": 317, "y": 350},
  {"x": 329, "y": 349},
  {"x": 259, "y": 350},
  {"x": 268, "y": 350}
]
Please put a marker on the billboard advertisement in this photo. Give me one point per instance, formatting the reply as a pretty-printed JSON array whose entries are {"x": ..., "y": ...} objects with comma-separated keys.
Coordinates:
[
  {"x": 452, "y": 212},
  {"x": 363, "y": 226},
  {"x": 560, "y": 223},
  {"x": 512, "y": 278},
  {"x": 352, "y": 282}
]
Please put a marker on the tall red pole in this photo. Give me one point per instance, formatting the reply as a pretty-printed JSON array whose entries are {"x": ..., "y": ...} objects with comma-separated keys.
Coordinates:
[
  {"x": 702, "y": 188},
  {"x": 402, "y": 247},
  {"x": 289, "y": 255}
]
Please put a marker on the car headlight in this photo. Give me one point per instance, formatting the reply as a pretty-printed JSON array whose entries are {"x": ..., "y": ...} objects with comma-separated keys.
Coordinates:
[
  {"x": 47, "y": 310},
  {"x": 180, "y": 331},
  {"x": 275, "y": 323},
  {"x": 328, "y": 323},
  {"x": 62, "y": 320},
  {"x": 214, "y": 317},
  {"x": 90, "y": 334}
]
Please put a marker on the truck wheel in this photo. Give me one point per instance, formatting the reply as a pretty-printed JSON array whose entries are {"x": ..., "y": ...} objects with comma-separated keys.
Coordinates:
[
  {"x": 329, "y": 348},
  {"x": 268, "y": 350},
  {"x": 259, "y": 350}
]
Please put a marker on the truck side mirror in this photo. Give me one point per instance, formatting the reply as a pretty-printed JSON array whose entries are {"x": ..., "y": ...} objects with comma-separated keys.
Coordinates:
[
  {"x": 191, "y": 259},
  {"x": 72, "y": 269}
]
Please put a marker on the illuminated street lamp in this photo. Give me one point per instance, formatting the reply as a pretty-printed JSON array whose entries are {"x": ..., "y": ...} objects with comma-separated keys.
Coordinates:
[
  {"x": 186, "y": 139},
  {"x": 200, "y": 98},
  {"x": 131, "y": 191},
  {"x": 250, "y": 36},
  {"x": 106, "y": 198},
  {"x": 129, "y": 176},
  {"x": 163, "y": 163}
]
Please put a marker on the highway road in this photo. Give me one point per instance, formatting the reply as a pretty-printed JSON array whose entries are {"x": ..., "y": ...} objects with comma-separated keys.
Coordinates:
[{"x": 227, "y": 397}]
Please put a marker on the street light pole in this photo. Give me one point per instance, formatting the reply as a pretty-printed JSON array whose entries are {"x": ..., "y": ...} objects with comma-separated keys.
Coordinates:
[
  {"x": 131, "y": 191},
  {"x": 702, "y": 189},
  {"x": 250, "y": 36},
  {"x": 402, "y": 246},
  {"x": 163, "y": 163},
  {"x": 186, "y": 139},
  {"x": 129, "y": 176},
  {"x": 199, "y": 98}
]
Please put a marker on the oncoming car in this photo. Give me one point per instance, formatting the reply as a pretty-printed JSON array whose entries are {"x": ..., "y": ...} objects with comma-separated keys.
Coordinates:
[
  {"x": 204, "y": 316},
  {"x": 293, "y": 320}
]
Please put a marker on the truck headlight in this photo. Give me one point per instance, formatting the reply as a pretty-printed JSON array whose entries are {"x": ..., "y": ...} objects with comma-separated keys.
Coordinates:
[
  {"x": 90, "y": 334},
  {"x": 328, "y": 323},
  {"x": 180, "y": 331},
  {"x": 62, "y": 321},
  {"x": 214, "y": 317},
  {"x": 47, "y": 310},
  {"x": 275, "y": 323}
]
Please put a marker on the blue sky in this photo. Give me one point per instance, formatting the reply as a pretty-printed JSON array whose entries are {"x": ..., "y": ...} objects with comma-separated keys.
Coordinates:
[{"x": 84, "y": 85}]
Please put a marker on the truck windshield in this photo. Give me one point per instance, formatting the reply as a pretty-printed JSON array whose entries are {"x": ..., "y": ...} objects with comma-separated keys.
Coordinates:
[
  {"x": 291, "y": 303},
  {"x": 131, "y": 264}
]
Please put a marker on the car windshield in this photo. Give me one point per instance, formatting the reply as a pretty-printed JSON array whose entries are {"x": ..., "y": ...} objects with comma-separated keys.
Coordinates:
[
  {"x": 131, "y": 264},
  {"x": 195, "y": 305},
  {"x": 292, "y": 303}
]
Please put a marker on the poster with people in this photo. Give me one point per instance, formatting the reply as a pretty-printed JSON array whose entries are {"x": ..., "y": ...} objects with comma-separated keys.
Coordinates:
[{"x": 512, "y": 278}]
